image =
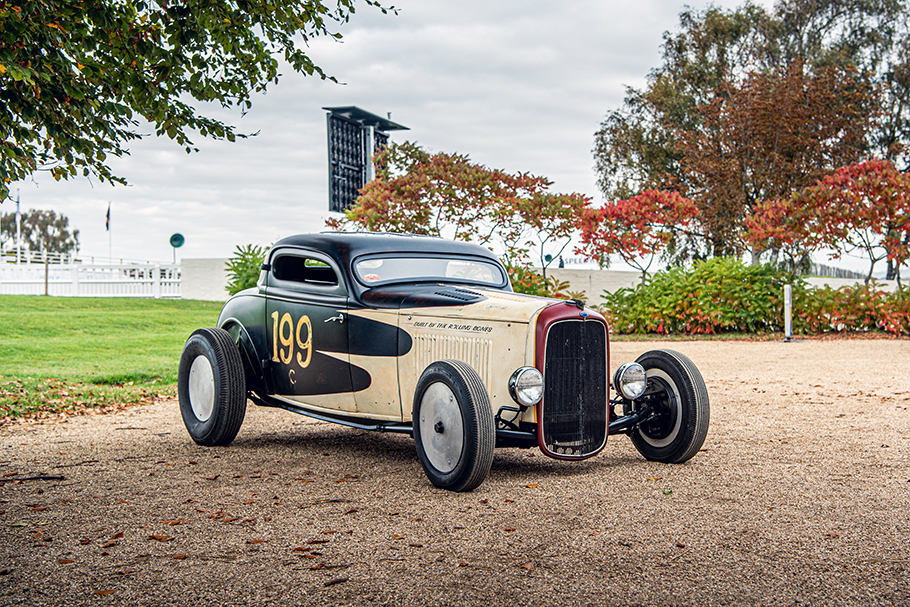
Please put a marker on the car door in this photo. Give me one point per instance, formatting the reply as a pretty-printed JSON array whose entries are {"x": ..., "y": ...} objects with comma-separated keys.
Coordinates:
[{"x": 306, "y": 314}]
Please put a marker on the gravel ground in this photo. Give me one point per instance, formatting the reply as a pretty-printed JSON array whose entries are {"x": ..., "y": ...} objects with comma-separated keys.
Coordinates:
[{"x": 801, "y": 495}]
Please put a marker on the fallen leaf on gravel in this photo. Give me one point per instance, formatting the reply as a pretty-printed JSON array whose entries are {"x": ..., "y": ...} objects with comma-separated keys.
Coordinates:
[
  {"x": 318, "y": 542},
  {"x": 65, "y": 561},
  {"x": 179, "y": 557},
  {"x": 532, "y": 485},
  {"x": 416, "y": 545},
  {"x": 104, "y": 592},
  {"x": 319, "y": 566},
  {"x": 122, "y": 502},
  {"x": 110, "y": 543},
  {"x": 117, "y": 535},
  {"x": 351, "y": 511},
  {"x": 528, "y": 566},
  {"x": 510, "y": 529},
  {"x": 126, "y": 571},
  {"x": 256, "y": 541},
  {"x": 330, "y": 532},
  {"x": 176, "y": 522},
  {"x": 85, "y": 541},
  {"x": 680, "y": 545},
  {"x": 656, "y": 478},
  {"x": 229, "y": 520},
  {"x": 38, "y": 508},
  {"x": 833, "y": 534},
  {"x": 212, "y": 477},
  {"x": 395, "y": 536},
  {"x": 341, "y": 480},
  {"x": 161, "y": 538},
  {"x": 668, "y": 492},
  {"x": 301, "y": 549},
  {"x": 248, "y": 502},
  {"x": 304, "y": 480},
  {"x": 337, "y": 580}
]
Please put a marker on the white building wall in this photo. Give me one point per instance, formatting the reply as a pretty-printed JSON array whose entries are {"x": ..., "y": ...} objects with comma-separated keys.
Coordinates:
[{"x": 204, "y": 278}]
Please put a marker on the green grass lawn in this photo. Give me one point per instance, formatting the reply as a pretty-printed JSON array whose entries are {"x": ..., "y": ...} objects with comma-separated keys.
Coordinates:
[{"x": 63, "y": 353}]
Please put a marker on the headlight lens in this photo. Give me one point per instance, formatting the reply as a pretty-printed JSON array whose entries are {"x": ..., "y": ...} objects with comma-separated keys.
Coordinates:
[
  {"x": 631, "y": 380},
  {"x": 526, "y": 386}
]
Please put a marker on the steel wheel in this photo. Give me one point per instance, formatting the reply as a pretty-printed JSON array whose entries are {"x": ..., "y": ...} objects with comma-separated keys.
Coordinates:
[
  {"x": 441, "y": 427},
  {"x": 679, "y": 398},
  {"x": 211, "y": 387},
  {"x": 453, "y": 426}
]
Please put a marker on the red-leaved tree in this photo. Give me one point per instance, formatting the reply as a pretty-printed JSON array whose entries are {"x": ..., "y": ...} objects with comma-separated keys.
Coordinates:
[
  {"x": 862, "y": 207},
  {"x": 637, "y": 229},
  {"x": 449, "y": 195}
]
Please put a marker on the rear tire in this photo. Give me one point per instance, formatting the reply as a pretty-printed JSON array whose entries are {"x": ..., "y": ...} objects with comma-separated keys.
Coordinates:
[
  {"x": 453, "y": 426},
  {"x": 211, "y": 387},
  {"x": 678, "y": 428}
]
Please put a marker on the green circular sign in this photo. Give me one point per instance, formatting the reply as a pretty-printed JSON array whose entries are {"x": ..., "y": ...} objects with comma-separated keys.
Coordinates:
[{"x": 177, "y": 240}]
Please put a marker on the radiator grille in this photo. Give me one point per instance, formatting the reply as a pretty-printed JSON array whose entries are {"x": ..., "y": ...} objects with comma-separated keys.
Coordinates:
[
  {"x": 472, "y": 350},
  {"x": 574, "y": 407}
]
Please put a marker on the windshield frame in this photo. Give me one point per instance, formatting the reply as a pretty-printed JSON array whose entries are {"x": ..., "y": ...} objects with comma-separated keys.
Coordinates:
[{"x": 493, "y": 264}]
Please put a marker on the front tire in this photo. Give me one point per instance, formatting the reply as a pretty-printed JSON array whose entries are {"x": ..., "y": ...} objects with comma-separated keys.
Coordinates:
[
  {"x": 453, "y": 426},
  {"x": 211, "y": 387},
  {"x": 676, "y": 390}
]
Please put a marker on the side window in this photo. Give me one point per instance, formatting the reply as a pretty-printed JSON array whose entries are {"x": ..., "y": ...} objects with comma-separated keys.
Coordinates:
[{"x": 306, "y": 270}]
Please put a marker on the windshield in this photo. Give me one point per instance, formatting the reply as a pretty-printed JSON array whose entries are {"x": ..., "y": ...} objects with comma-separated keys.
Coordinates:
[{"x": 374, "y": 271}]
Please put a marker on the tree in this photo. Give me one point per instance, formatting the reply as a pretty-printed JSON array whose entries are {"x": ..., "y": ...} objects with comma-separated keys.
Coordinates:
[
  {"x": 766, "y": 137},
  {"x": 637, "y": 229},
  {"x": 42, "y": 232},
  {"x": 80, "y": 78},
  {"x": 714, "y": 102},
  {"x": 865, "y": 207},
  {"x": 448, "y": 195}
]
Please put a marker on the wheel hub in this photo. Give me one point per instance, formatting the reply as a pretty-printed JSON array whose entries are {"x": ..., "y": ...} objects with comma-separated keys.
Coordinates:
[
  {"x": 441, "y": 427},
  {"x": 202, "y": 388},
  {"x": 663, "y": 421}
]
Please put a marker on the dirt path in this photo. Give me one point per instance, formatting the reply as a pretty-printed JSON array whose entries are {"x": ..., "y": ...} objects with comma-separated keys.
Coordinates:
[{"x": 801, "y": 496}]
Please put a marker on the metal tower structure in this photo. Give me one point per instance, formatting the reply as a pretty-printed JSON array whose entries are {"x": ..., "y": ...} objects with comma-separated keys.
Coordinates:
[{"x": 354, "y": 136}]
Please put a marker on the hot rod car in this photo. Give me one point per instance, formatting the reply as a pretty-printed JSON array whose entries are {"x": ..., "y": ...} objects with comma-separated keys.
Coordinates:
[{"x": 424, "y": 336}]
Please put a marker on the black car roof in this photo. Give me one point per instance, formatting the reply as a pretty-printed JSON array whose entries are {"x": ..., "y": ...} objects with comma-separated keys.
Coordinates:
[{"x": 345, "y": 246}]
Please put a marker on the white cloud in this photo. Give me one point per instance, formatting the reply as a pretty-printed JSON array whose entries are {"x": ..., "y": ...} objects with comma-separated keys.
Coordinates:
[{"x": 515, "y": 84}]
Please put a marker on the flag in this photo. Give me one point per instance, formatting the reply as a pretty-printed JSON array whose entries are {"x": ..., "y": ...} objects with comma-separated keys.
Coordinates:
[{"x": 107, "y": 222}]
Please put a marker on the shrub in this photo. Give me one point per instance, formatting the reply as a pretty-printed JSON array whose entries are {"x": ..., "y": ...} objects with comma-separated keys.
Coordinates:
[
  {"x": 855, "y": 308},
  {"x": 526, "y": 280},
  {"x": 726, "y": 295},
  {"x": 243, "y": 267},
  {"x": 717, "y": 295}
]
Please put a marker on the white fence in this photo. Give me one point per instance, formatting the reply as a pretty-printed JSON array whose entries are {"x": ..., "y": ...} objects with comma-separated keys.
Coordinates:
[{"x": 91, "y": 280}]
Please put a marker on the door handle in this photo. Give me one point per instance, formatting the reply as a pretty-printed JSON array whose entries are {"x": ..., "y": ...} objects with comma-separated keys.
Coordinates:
[{"x": 339, "y": 318}]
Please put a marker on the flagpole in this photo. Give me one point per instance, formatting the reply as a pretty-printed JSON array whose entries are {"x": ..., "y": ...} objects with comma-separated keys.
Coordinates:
[{"x": 18, "y": 230}]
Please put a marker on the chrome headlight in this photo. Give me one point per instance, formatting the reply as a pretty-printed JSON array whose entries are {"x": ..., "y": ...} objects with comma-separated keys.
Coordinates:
[
  {"x": 526, "y": 386},
  {"x": 631, "y": 380}
]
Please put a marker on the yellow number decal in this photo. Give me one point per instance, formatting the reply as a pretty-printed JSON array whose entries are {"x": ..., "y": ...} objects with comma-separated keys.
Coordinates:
[
  {"x": 278, "y": 334},
  {"x": 275, "y": 336},
  {"x": 304, "y": 345},
  {"x": 286, "y": 342}
]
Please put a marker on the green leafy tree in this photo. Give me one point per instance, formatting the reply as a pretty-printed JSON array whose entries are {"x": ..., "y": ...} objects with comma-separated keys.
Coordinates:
[
  {"x": 243, "y": 267},
  {"x": 79, "y": 79},
  {"x": 42, "y": 232}
]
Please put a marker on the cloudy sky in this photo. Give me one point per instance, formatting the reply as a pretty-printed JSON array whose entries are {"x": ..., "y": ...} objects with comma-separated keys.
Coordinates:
[{"x": 519, "y": 85}]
